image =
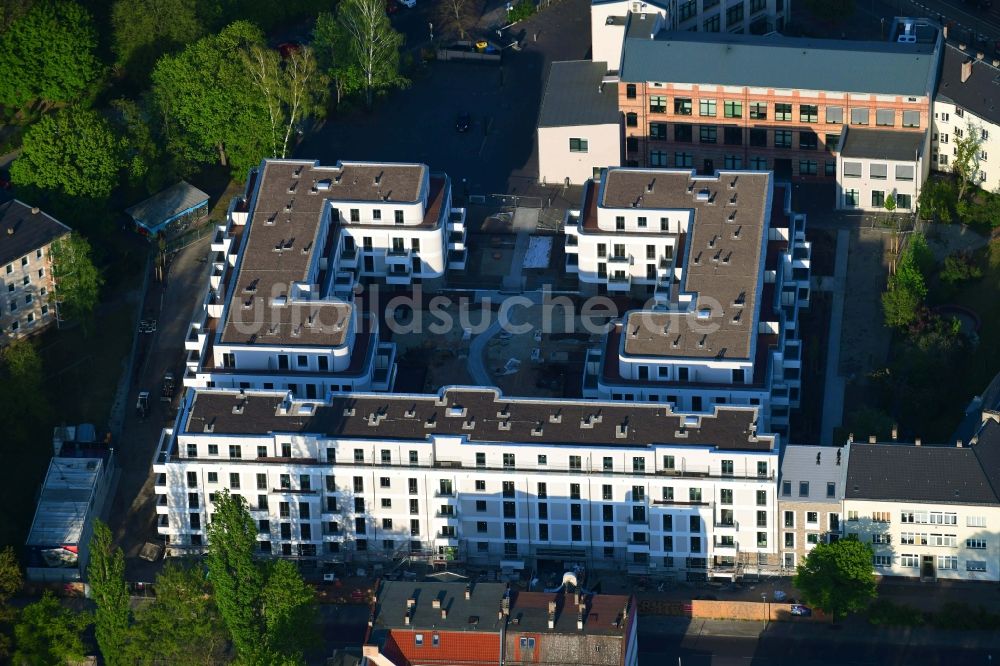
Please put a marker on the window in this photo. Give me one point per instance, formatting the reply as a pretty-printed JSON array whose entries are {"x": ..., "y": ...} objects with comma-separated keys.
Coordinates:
[
  {"x": 726, "y": 496},
  {"x": 658, "y": 131},
  {"x": 694, "y": 495},
  {"x": 730, "y": 162},
  {"x": 708, "y": 133},
  {"x": 682, "y": 105},
  {"x": 762, "y": 540},
  {"x": 631, "y": 119},
  {"x": 658, "y": 104},
  {"x": 732, "y": 109},
  {"x": 761, "y": 464},
  {"x": 808, "y": 140},
  {"x": 574, "y": 491},
  {"x": 657, "y": 158},
  {"x": 630, "y": 91},
  {"x": 577, "y": 145},
  {"x": 852, "y": 169},
  {"x": 903, "y": 201},
  {"x": 706, "y": 107},
  {"x": 687, "y": 10},
  {"x": 975, "y": 521},
  {"x": 911, "y": 561},
  {"x": 885, "y": 117},
  {"x": 683, "y": 133},
  {"x": 831, "y": 489},
  {"x": 803, "y": 489},
  {"x": 758, "y": 137},
  {"x": 789, "y": 539},
  {"x": 975, "y": 565},
  {"x": 734, "y": 14},
  {"x": 786, "y": 488},
  {"x": 727, "y": 467},
  {"x": 880, "y": 538},
  {"x": 761, "y": 498},
  {"x": 712, "y": 23},
  {"x": 881, "y": 517},
  {"x": 947, "y": 562},
  {"x": 975, "y": 544},
  {"x": 859, "y": 116},
  {"x": 542, "y": 491},
  {"x": 732, "y": 136},
  {"x": 683, "y": 159},
  {"x": 830, "y": 168},
  {"x": 882, "y": 561},
  {"x": 527, "y": 643},
  {"x": 782, "y": 111},
  {"x": 808, "y": 167},
  {"x": 983, "y": 134},
  {"x": 234, "y": 480},
  {"x": 235, "y": 451},
  {"x": 758, "y": 111},
  {"x": 904, "y": 172},
  {"x": 508, "y": 460},
  {"x": 789, "y": 519},
  {"x": 668, "y": 493},
  {"x": 943, "y": 138},
  {"x": 782, "y": 138},
  {"x": 480, "y": 506},
  {"x": 912, "y": 119},
  {"x": 878, "y": 198}
]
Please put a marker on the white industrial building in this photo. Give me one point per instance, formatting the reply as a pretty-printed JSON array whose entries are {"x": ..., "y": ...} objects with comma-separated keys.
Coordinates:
[
  {"x": 470, "y": 475},
  {"x": 725, "y": 265},
  {"x": 873, "y": 165},
  {"x": 281, "y": 309}
]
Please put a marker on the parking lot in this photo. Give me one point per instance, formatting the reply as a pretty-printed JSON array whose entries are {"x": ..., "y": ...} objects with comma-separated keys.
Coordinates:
[{"x": 417, "y": 124}]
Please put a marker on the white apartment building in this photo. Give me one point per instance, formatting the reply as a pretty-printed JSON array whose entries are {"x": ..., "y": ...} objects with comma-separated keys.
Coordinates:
[
  {"x": 928, "y": 511},
  {"x": 810, "y": 500},
  {"x": 579, "y": 131},
  {"x": 281, "y": 311},
  {"x": 609, "y": 17},
  {"x": 875, "y": 164},
  {"x": 725, "y": 265},
  {"x": 470, "y": 475},
  {"x": 26, "y": 238},
  {"x": 967, "y": 95}
]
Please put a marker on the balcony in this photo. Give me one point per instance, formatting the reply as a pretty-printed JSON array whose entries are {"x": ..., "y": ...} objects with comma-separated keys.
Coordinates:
[
  {"x": 348, "y": 258},
  {"x": 621, "y": 260},
  {"x": 619, "y": 283},
  {"x": 456, "y": 221},
  {"x": 727, "y": 527},
  {"x": 456, "y": 240},
  {"x": 161, "y": 504},
  {"x": 398, "y": 255},
  {"x": 398, "y": 274},
  {"x": 456, "y": 260},
  {"x": 725, "y": 548}
]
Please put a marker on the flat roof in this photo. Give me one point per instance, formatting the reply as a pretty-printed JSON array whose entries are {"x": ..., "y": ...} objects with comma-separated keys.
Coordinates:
[
  {"x": 879, "y": 144},
  {"x": 819, "y": 466},
  {"x": 576, "y": 95},
  {"x": 980, "y": 93},
  {"x": 64, "y": 501},
  {"x": 721, "y": 259},
  {"x": 167, "y": 204},
  {"x": 775, "y": 61},
  {"x": 488, "y": 417},
  {"x": 24, "y": 229},
  {"x": 282, "y": 237}
]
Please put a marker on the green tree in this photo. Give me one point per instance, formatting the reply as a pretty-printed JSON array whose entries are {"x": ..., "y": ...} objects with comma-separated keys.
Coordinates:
[
  {"x": 48, "y": 55},
  {"x": 837, "y": 577},
  {"x": 890, "y": 203},
  {"x": 211, "y": 108},
  {"x": 73, "y": 152},
  {"x": 236, "y": 578},
  {"x": 182, "y": 626},
  {"x": 903, "y": 299},
  {"x": 290, "y": 613},
  {"x": 143, "y": 30},
  {"x": 332, "y": 46},
  {"x": 77, "y": 281},
  {"x": 12, "y": 10},
  {"x": 937, "y": 200},
  {"x": 48, "y": 634},
  {"x": 10, "y": 584},
  {"x": 965, "y": 163},
  {"x": 373, "y": 45},
  {"x": 292, "y": 90},
  {"x": 145, "y": 162},
  {"x": 106, "y": 576}
]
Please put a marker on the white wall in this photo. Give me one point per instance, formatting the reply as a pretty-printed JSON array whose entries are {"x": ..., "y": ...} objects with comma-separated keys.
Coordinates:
[
  {"x": 866, "y": 184},
  {"x": 946, "y": 121},
  {"x": 556, "y": 163}
]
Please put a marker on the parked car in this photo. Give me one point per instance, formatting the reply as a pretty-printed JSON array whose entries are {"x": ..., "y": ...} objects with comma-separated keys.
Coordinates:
[
  {"x": 142, "y": 404},
  {"x": 167, "y": 391},
  {"x": 801, "y": 611},
  {"x": 463, "y": 122}
]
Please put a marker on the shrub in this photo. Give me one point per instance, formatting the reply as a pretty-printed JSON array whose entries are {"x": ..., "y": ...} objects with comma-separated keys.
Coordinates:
[
  {"x": 957, "y": 615},
  {"x": 890, "y": 614},
  {"x": 522, "y": 10},
  {"x": 960, "y": 267}
]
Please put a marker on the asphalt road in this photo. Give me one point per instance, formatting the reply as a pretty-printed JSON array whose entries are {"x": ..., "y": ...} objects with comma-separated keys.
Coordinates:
[{"x": 838, "y": 651}]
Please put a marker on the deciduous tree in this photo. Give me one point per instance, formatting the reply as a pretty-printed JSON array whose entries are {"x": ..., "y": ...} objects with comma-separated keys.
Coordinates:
[
  {"x": 48, "y": 55},
  {"x": 458, "y": 16},
  {"x": 48, "y": 634},
  {"x": 966, "y": 161},
  {"x": 837, "y": 577},
  {"x": 106, "y": 576},
  {"x": 10, "y": 584},
  {"x": 373, "y": 45},
  {"x": 143, "y": 30},
  {"x": 77, "y": 281},
  {"x": 332, "y": 45},
  {"x": 72, "y": 152},
  {"x": 289, "y": 607}
]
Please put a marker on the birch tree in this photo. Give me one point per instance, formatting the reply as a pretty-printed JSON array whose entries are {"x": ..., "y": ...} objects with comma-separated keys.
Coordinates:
[
  {"x": 374, "y": 45},
  {"x": 966, "y": 163}
]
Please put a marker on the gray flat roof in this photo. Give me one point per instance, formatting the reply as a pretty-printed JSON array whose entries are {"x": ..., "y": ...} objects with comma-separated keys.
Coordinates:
[
  {"x": 574, "y": 95},
  {"x": 898, "y": 146},
  {"x": 980, "y": 94},
  {"x": 819, "y": 466},
  {"x": 65, "y": 501},
  {"x": 164, "y": 205},
  {"x": 721, "y": 268},
  {"x": 23, "y": 231},
  {"x": 489, "y": 418},
  {"x": 779, "y": 62}
]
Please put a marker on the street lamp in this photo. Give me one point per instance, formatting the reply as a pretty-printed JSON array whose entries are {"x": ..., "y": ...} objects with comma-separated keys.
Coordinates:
[{"x": 763, "y": 598}]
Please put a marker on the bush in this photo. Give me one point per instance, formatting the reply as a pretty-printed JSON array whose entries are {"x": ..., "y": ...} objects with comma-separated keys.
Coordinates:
[
  {"x": 522, "y": 10},
  {"x": 960, "y": 267},
  {"x": 957, "y": 615},
  {"x": 887, "y": 613},
  {"x": 937, "y": 201}
]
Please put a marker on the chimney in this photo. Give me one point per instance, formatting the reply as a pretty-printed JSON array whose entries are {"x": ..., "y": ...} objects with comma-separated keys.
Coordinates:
[
  {"x": 468, "y": 592},
  {"x": 958, "y": 444},
  {"x": 872, "y": 439},
  {"x": 552, "y": 615},
  {"x": 410, "y": 603},
  {"x": 444, "y": 613},
  {"x": 406, "y": 619},
  {"x": 966, "y": 70},
  {"x": 944, "y": 32},
  {"x": 10, "y": 231},
  {"x": 35, "y": 210},
  {"x": 436, "y": 603},
  {"x": 895, "y": 432},
  {"x": 917, "y": 442}
]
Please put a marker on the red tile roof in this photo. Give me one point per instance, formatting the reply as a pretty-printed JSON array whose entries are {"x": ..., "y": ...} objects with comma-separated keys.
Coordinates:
[{"x": 454, "y": 648}]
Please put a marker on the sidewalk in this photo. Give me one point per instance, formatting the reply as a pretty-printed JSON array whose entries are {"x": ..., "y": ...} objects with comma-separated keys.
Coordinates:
[{"x": 851, "y": 630}]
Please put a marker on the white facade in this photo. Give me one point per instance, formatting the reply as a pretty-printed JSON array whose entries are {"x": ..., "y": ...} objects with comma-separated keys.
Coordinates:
[
  {"x": 576, "y": 153},
  {"x": 951, "y": 122},
  {"x": 863, "y": 183},
  {"x": 810, "y": 500},
  {"x": 683, "y": 510}
]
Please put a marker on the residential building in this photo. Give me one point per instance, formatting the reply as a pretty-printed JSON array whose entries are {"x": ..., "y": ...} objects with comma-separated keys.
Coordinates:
[
  {"x": 579, "y": 132},
  {"x": 810, "y": 500},
  {"x": 459, "y": 624},
  {"x": 472, "y": 476},
  {"x": 928, "y": 511},
  {"x": 609, "y": 17},
  {"x": 875, "y": 164},
  {"x": 709, "y": 101},
  {"x": 281, "y": 309},
  {"x": 26, "y": 285},
  {"x": 73, "y": 494},
  {"x": 726, "y": 265},
  {"x": 967, "y": 95},
  {"x": 170, "y": 211}
]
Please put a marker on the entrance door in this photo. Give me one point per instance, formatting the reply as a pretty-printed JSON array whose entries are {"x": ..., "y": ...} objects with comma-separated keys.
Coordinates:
[
  {"x": 709, "y": 168},
  {"x": 927, "y": 567}
]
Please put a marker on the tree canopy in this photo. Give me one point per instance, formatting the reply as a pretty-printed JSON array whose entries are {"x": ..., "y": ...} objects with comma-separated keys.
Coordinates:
[
  {"x": 903, "y": 299},
  {"x": 106, "y": 576},
  {"x": 10, "y": 584},
  {"x": 371, "y": 45},
  {"x": 211, "y": 108},
  {"x": 72, "y": 152},
  {"x": 837, "y": 577},
  {"x": 143, "y": 30},
  {"x": 48, "y": 633},
  {"x": 48, "y": 55},
  {"x": 77, "y": 281}
]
